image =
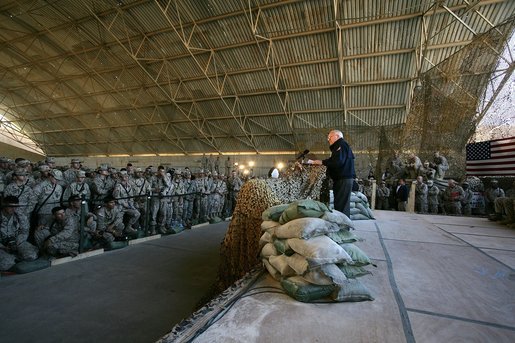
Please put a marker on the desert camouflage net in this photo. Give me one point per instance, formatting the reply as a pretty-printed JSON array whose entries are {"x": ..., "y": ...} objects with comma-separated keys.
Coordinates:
[{"x": 240, "y": 248}]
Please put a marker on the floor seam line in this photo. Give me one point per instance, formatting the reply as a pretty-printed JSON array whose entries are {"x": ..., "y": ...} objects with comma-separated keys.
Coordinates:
[
  {"x": 406, "y": 324},
  {"x": 475, "y": 321}
]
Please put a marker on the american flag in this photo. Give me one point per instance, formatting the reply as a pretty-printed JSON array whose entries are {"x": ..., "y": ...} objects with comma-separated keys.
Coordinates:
[{"x": 491, "y": 158}]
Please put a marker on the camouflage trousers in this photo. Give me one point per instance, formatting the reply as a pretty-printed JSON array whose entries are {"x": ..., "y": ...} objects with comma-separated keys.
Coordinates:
[
  {"x": 453, "y": 207},
  {"x": 507, "y": 206},
  {"x": 177, "y": 205},
  {"x": 187, "y": 211},
  {"x": 24, "y": 252},
  {"x": 161, "y": 212}
]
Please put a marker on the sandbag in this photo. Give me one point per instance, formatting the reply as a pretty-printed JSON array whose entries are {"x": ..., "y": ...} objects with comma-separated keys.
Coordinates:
[
  {"x": 303, "y": 208},
  {"x": 298, "y": 263},
  {"x": 351, "y": 290},
  {"x": 30, "y": 266},
  {"x": 301, "y": 290},
  {"x": 338, "y": 218},
  {"x": 268, "y": 250},
  {"x": 358, "y": 256},
  {"x": 319, "y": 250},
  {"x": 361, "y": 196},
  {"x": 343, "y": 236},
  {"x": 280, "y": 264},
  {"x": 282, "y": 247},
  {"x": 265, "y": 238},
  {"x": 274, "y": 213},
  {"x": 269, "y": 226},
  {"x": 355, "y": 210},
  {"x": 352, "y": 272},
  {"x": 325, "y": 274},
  {"x": 275, "y": 274},
  {"x": 364, "y": 209},
  {"x": 305, "y": 228}
]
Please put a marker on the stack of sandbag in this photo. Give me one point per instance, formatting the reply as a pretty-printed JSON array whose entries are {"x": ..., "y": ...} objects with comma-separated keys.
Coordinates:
[
  {"x": 359, "y": 207},
  {"x": 310, "y": 250}
]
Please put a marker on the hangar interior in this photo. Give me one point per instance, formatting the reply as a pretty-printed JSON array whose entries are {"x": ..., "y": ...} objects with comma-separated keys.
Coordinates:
[
  {"x": 170, "y": 80},
  {"x": 165, "y": 81}
]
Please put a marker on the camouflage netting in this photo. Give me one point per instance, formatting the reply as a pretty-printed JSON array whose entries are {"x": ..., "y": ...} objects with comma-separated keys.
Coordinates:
[
  {"x": 240, "y": 248},
  {"x": 443, "y": 115},
  {"x": 299, "y": 182}
]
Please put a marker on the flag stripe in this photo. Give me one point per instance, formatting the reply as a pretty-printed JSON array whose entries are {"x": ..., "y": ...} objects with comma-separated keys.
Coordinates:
[{"x": 496, "y": 157}]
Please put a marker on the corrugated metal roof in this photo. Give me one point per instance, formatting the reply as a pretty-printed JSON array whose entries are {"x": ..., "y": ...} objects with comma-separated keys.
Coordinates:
[{"x": 231, "y": 75}]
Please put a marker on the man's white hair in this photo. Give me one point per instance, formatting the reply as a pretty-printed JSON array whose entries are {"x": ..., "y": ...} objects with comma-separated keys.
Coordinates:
[{"x": 338, "y": 133}]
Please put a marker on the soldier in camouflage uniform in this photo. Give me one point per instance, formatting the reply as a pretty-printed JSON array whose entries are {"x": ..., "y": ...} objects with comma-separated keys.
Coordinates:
[
  {"x": 25, "y": 195},
  {"x": 48, "y": 195},
  {"x": 190, "y": 191},
  {"x": 492, "y": 193},
  {"x": 440, "y": 164},
  {"x": 178, "y": 200},
  {"x": 102, "y": 186},
  {"x": 110, "y": 220},
  {"x": 162, "y": 189},
  {"x": 70, "y": 175},
  {"x": 205, "y": 185},
  {"x": 382, "y": 196},
  {"x": 234, "y": 184},
  {"x": 453, "y": 195},
  {"x": 124, "y": 193},
  {"x": 432, "y": 196},
  {"x": 467, "y": 199},
  {"x": 219, "y": 193},
  {"x": 14, "y": 231},
  {"x": 141, "y": 189},
  {"x": 197, "y": 201},
  {"x": 413, "y": 166},
  {"x": 421, "y": 195},
  {"x": 79, "y": 188}
]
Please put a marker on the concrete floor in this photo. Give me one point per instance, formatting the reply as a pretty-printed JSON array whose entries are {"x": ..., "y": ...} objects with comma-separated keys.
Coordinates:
[
  {"x": 135, "y": 294},
  {"x": 438, "y": 279}
]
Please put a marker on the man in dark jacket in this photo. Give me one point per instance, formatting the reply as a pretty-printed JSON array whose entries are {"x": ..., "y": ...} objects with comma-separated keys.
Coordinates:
[
  {"x": 340, "y": 168},
  {"x": 401, "y": 195}
]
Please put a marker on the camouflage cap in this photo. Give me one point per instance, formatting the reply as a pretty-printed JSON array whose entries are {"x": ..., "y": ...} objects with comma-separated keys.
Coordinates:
[
  {"x": 23, "y": 163},
  {"x": 44, "y": 168},
  {"x": 102, "y": 167},
  {"x": 57, "y": 174},
  {"x": 20, "y": 172},
  {"x": 81, "y": 173},
  {"x": 4, "y": 159},
  {"x": 50, "y": 160},
  {"x": 75, "y": 160}
]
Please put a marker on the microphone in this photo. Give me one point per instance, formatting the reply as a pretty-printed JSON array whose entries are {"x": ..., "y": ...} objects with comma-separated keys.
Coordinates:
[{"x": 302, "y": 155}]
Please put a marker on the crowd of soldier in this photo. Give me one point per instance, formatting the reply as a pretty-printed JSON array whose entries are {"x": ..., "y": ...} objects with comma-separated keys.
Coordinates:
[
  {"x": 41, "y": 209},
  {"x": 455, "y": 199}
]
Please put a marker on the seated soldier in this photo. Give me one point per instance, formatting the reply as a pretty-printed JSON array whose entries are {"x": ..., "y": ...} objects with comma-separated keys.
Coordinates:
[
  {"x": 73, "y": 222},
  {"x": 506, "y": 205},
  {"x": 14, "y": 231},
  {"x": 44, "y": 232},
  {"x": 110, "y": 221}
]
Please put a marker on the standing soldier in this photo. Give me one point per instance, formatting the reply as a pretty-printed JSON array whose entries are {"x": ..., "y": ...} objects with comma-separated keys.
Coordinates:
[
  {"x": 79, "y": 187},
  {"x": 220, "y": 190},
  {"x": 141, "y": 189},
  {"x": 101, "y": 186},
  {"x": 48, "y": 195},
  {"x": 70, "y": 175},
  {"x": 234, "y": 184},
  {"x": 228, "y": 166},
  {"x": 162, "y": 189},
  {"x": 432, "y": 197},
  {"x": 197, "y": 202},
  {"x": 421, "y": 195},
  {"x": 124, "y": 194},
  {"x": 177, "y": 200},
  {"x": 190, "y": 191},
  {"x": 453, "y": 195},
  {"x": 382, "y": 196},
  {"x": 217, "y": 165},
  {"x": 467, "y": 199},
  {"x": 397, "y": 166},
  {"x": 23, "y": 193}
]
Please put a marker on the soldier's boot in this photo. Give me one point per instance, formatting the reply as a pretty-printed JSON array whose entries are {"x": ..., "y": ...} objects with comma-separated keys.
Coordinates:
[
  {"x": 153, "y": 230},
  {"x": 129, "y": 230},
  {"x": 163, "y": 230}
]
